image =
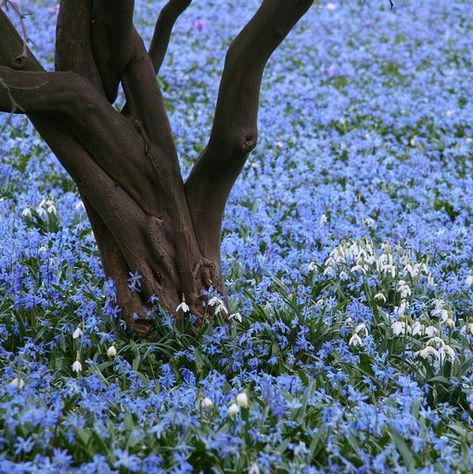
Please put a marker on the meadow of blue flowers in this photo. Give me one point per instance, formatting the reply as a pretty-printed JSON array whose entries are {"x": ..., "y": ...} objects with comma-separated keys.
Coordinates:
[{"x": 348, "y": 252}]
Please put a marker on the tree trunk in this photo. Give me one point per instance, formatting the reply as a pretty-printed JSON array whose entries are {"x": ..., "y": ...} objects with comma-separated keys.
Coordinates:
[{"x": 153, "y": 230}]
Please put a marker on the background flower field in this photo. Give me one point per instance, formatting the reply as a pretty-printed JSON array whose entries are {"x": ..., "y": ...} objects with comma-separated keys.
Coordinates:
[{"x": 347, "y": 247}]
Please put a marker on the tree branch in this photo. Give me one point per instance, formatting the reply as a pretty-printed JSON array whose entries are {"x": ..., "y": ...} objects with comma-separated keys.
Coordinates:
[
  {"x": 163, "y": 29},
  {"x": 234, "y": 130},
  {"x": 73, "y": 48},
  {"x": 112, "y": 40}
]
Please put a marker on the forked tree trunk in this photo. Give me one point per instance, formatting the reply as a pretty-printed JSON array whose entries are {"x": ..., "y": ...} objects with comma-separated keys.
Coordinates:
[{"x": 146, "y": 220}]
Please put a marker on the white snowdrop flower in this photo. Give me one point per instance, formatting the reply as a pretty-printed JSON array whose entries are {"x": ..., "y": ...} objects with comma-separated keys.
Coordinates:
[
  {"x": 242, "y": 400},
  {"x": 469, "y": 280},
  {"x": 361, "y": 328},
  {"x": 233, "y": 410},
  {"x": 400, "y": 327},
  {"x": 17, "y": 382},
  {"x": 77, "y": 333},
  {"x": 418, "y": 329},
  {"x": 312, "y": 267},
  {"x": 436, "y": 342},
  {"x": 236, "y": 316},
  {"x": 79, "y": 206},
  {"x": 343, "y": 276},
  {"x": 26, "y": 213},
  {"x": 111, "y": 352},
  {"x": 320, "y": 302},
  {"x": 355, "y": 340},
  {"x": 431, "y": 331},
  {"x": 323, "y": 219},
  {"x": 403, "y": 306},
  {"x": 428, "y": 352},
  {"x": 43, "y": 249},
  {"x": 404, "y": 289},
  {"x": 51, "y": 209},
  {"x": 357, "y": 268},
  {"x": 206, "y": 403},
  {"x": 219, "y": 305},
  {"x": 254, "y": 469},
  {"x": 447, "y": 352},
  {"x": 77, "y": 366},
  {"x": 380, "y": 297},
  {"x": 450, "y": 323},
  {"x": 41, "y": 212},
  {"x": 184, "y": 307},
  {"x": 440, "y": 313},
  {"x": 329, "y": 271},
  {"x": 469, "y": 326},
  {"x": 331, "y": 7}
]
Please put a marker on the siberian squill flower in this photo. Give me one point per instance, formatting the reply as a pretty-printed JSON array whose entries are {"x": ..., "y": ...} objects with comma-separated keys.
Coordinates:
[
  {"x": 242, "y": 399},
  {"x": 111, "y": 352},
  {"x": 77, "y": 366},
  {"x": 233, "y": 410},
  {"x": 355, "y": 340},
  {"x": 77, "y": 333}
]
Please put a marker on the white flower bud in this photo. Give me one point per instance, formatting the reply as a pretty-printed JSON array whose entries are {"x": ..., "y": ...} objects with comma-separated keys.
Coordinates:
[
  {"x": 18, "y": 383},
  {"x": 206, "y": 403},
  {"x": 242, "y": 399},
  {"x": 233, "y": 410},
  {"x": 77, "y": 366},
  {"x": 77, "y": 333},
  {"x": 111, "y": 352}
]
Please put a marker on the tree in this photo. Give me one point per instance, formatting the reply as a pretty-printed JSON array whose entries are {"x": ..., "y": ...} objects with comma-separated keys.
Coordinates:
[{"x": 145, "y": 218}]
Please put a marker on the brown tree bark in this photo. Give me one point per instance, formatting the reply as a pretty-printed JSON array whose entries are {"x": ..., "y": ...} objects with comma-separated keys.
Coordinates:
[{"x": 144, "y": 217}]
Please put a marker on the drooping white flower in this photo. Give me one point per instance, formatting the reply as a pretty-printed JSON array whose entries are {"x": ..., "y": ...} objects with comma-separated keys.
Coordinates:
[
  {"x": 400, "y": 327},
  {"x": 447, "y": 352},
  {"x": 361, "y": 328},
  {"x": 219, "y": 305},
  {"x": 380, "y": 297},
  {"x": 450, "y": 323},
  {"x": 436, "y": 342},
  {"x": 184, "y": 307},
  {"x": 17, "y": 382},
  {"x": 242, "y": 399},
  {"x": 431, "y": 331},
  {"x": 233, "y": 410},
  {"x": 428, "y": 351},
  {"x": 77, "y": 366},
  {"x": 418, "y": 329},
  {"x": 254, "y": 469},
  {"x": 206, "y": 403},
  {"x": 111, "y": 352},
  {"x": 469, "y": 280},
  {"x": 312, "y": 266},
  {"x": 77, "y": 333},
  {"x": 236, "y": 316},
  {"x": 355, "y": 340},
  {"x": 26, "y": 213}
]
